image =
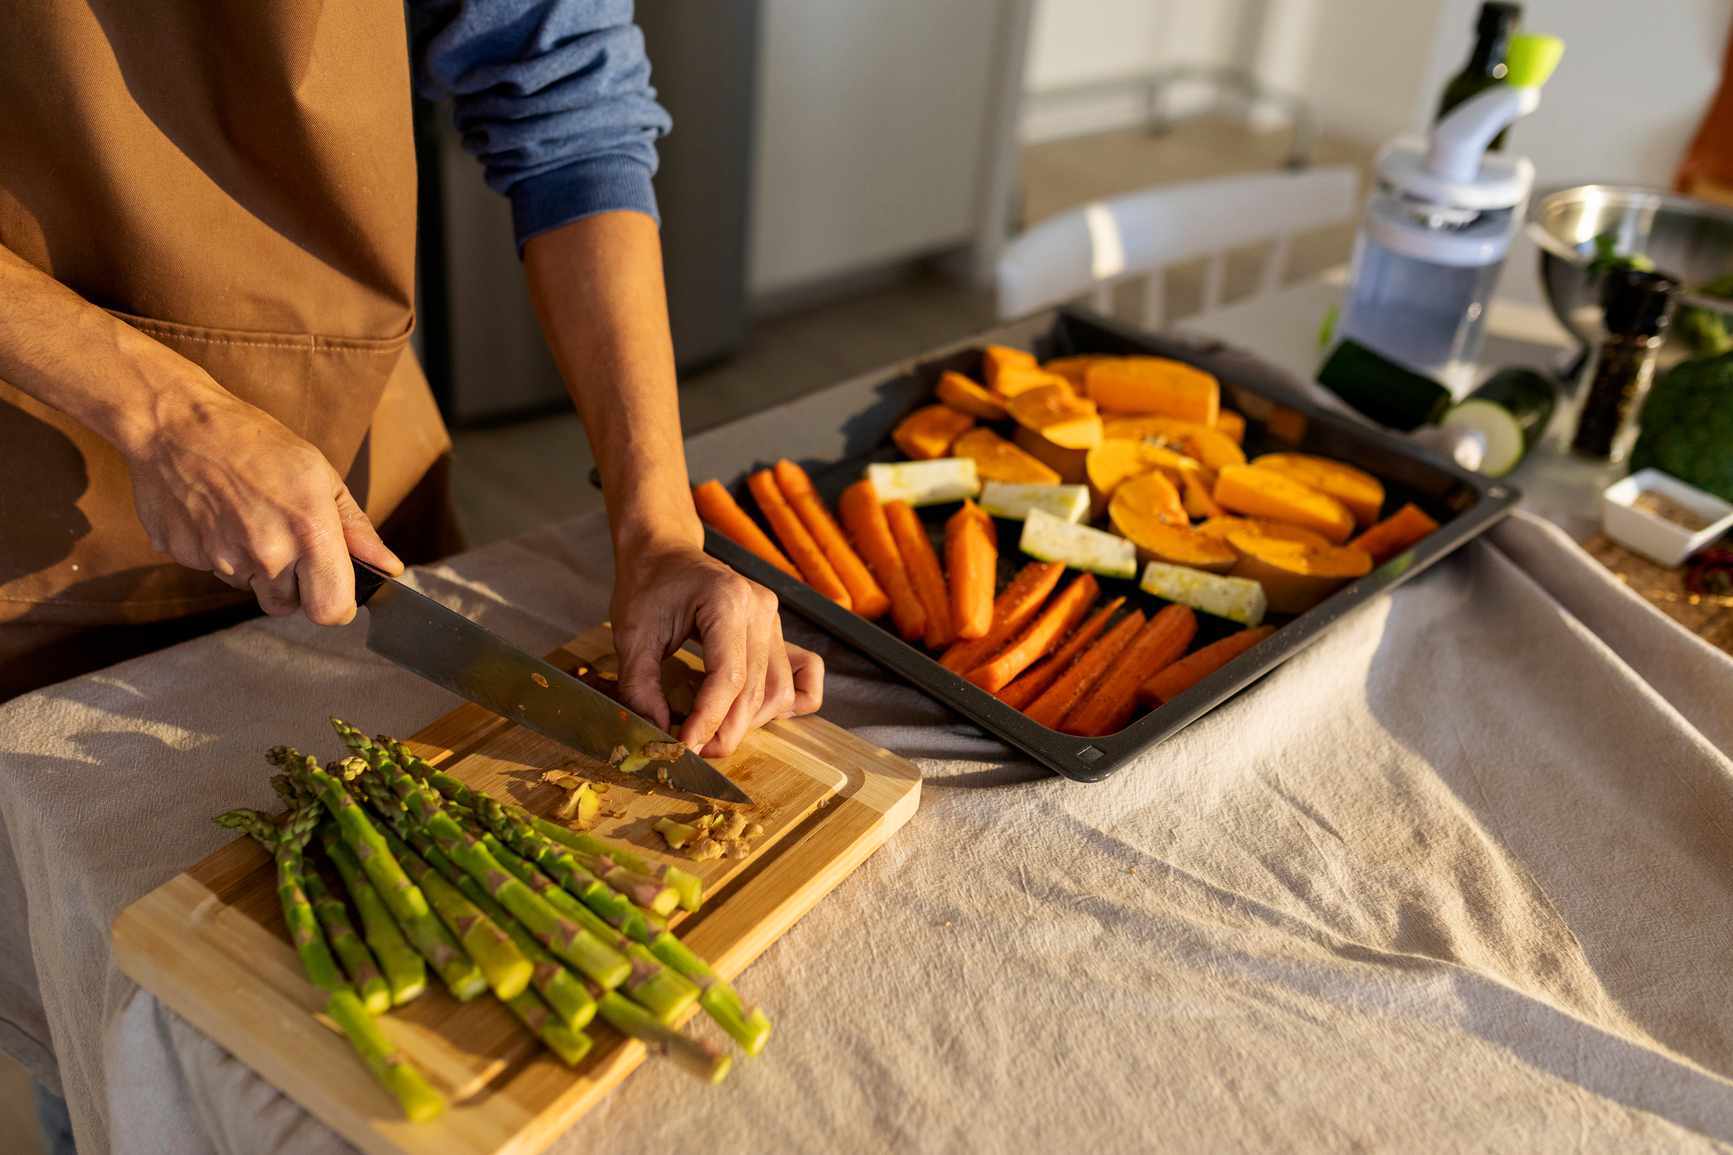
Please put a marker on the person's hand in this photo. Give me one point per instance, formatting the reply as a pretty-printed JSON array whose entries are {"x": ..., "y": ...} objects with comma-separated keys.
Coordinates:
[
  {"x": 662, "y": 597},
  {"x": 222, "y": 486}
]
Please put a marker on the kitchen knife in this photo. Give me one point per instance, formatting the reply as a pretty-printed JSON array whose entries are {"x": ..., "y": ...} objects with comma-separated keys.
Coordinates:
[{"x": 449, "y": 650}]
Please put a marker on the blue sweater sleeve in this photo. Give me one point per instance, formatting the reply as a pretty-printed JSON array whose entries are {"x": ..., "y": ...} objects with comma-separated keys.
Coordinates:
[{"x": 552, "y": 96}]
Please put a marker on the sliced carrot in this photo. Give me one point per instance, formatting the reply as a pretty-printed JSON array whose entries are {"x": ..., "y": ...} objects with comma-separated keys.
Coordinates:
[
  {"x": 814, "y": 568},
  {"x": 1055, "y": 619},
  {"x": 1110, "y": 704},
  {"x": 867, "y": 595},
  {"x": 925, "y": 575},
  {"x": 1173, "y": 680},
  {"x": 1395, "y": 533},
  {"x": 1035, "y": 681},
  {"x": 1014, "y": 609},
  {"x": 971, "y": 567},
  {"x": 723, "y": 514},
  {"x": 865, "y": 520},
  {"x": 1069, "y": 688}
]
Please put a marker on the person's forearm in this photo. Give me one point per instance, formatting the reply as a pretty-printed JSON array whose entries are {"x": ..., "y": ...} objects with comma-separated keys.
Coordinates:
[
  {"x": 597, "y": 287},
  {"x": 72, "y": 356}
]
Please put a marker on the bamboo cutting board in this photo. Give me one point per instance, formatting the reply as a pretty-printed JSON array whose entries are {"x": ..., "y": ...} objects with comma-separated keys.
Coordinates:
[{"x": 210, "y": 944}]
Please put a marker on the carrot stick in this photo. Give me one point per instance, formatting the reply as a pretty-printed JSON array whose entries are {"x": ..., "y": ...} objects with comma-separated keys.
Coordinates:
[
  {"x": 865, "y": 519},
  {"x": 922, "y": 563},
  {"x": 723, "y": 514},
  {"x": 868, "y": 596},
  {"x": 1110, "y": 704},
  {"x": 1195, "y": 667},
  {"x": 1027, "y": 688},
  {"x": 1051, "y": 624},
  {"x": 1056, "y": 701},
  {"x": 972, "y": 565},
  {"x": 1016, "y": 608},
  {"x": 796, "y": 540},
  {"x": 1395, "y": 533}
]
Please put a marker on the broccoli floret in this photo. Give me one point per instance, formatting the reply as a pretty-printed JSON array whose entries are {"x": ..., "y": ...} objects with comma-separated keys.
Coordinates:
[
  {"x": 1607, "y": 257},
  {"x": 1687, "y": 425}
]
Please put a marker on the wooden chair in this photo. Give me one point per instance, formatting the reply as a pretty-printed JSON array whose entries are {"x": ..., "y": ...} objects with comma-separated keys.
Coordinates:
[{"x": 1089, "y": 251}]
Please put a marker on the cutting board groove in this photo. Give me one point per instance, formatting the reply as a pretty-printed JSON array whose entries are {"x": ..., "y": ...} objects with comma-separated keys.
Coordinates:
[{"x": 209, "y": 943}]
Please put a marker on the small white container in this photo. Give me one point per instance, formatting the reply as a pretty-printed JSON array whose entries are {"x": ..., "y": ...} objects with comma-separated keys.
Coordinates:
[{"x": 1661, "y": 541}]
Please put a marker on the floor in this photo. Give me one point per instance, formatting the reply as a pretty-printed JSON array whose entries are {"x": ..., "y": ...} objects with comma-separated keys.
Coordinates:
[{"x": 512, "y": 478}]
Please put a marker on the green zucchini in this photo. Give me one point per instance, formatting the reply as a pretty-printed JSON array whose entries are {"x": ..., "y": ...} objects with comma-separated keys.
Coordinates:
[
  {"x": 1508, "y": 413},
  {"x": 1381, "y": 389}
]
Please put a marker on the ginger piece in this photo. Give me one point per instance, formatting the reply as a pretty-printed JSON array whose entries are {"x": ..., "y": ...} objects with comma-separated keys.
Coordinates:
[{"x": 675, "y": 834}]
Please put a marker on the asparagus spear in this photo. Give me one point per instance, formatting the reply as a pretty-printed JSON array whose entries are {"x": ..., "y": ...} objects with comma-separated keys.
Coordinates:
[
  {"x": 395, "y": 1073},
  {"x": 697, "y": 1056},
  {"x": 405, "y": 972},
  {"x": 657, "y": 987},
  {"x": 565, "y": 938},
  {"x": 408, "y": 905},
  {"x": 357, "y": 959},
  {"x": 688, "y": 888},
  {"x": 574, "y": 866},
  {"x": 419, "y": 1101},
  {"x": 508, "y": 971}
]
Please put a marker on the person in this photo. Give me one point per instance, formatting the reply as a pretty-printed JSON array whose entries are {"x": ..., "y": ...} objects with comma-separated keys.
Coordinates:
[
  {"x": 207, "y": 268},
  {"x": 207, "y": 396}
]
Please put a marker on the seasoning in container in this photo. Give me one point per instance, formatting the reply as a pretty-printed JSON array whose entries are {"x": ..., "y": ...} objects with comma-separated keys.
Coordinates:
[
  {"x": 1667, "y": 509},
  {"x": 1638, "y": 306}
]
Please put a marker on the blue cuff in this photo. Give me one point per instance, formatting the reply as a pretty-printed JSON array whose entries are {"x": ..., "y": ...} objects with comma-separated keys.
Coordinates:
[{"x": 580, "y": 189}]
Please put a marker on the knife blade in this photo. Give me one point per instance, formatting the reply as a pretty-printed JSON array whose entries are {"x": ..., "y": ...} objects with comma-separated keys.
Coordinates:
[{"x": 417, "y": 633}]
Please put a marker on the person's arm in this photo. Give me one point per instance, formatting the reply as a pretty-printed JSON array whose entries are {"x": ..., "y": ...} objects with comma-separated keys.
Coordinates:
[
  {"x": 554, "y": 98},
  {"x": 597, "y": 285},
  {"x": 218, "y": 484}
]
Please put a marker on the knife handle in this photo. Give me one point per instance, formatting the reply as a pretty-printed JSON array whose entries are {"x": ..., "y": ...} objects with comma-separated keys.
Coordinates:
[{"x": 367, "y": 581}]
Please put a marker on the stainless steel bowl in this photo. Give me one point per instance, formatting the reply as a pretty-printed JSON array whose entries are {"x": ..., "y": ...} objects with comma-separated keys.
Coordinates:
[{"x": 1690, "y": 240}]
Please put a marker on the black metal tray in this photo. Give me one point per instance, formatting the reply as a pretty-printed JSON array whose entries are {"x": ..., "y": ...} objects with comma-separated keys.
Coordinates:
[{"x": 1277, "y": 418}]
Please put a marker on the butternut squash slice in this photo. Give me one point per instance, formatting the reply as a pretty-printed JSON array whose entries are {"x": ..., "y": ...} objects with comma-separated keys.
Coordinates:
[
  {"x": 1195, "y": 493},
  {"x": 928, "y": 432},
  {"x": 1362, "y": 493},
  {"x": 1151, "y": 495},
  {"x": 1210, "y": 446},
  {"x": 998, "y": 460},
  {"x": 1222, "y": 527},
  {"x": 996, "y": 358},
  {"x": 1154, "y": 385},
  {"x": 1278, "y": 497},
  {"x": 965, "y": 396},
  {"x": 1158, "y": 538},
  {"x": 1073, "y": 369},
  {"x": 1232, "y": 426},
  {"x": 1058, "y": 428},
  {"x": 1016, "y": 380},
  {"x": 1295, "y": 575},
  {"x": 1117, "y": 460}
]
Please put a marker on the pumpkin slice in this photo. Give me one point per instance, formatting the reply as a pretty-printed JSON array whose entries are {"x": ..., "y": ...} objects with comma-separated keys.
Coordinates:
[
  {"x": 998, "y": 460},
  {"x": 1278, "y": 497},
  {"x": 1195, "y": 493},
  {"x": 927, "y": 433},
  {"x": 1362, "y": 493},
  {"x": 1232, "y": 426},
  {"x": 1073, "y": 369},
  {"x": 1118, "y": 459},
  {"x": 1223, "y": 527},
  {"x": 1150, "y": 495},
  {"x": 1153, "y": 385},
  {"x": 1295, "y": 575},
  {"x": 965, "y": 396},
  {"x": 1058, "y": 415},
  {"x": 1140, "y": 513},
  {"x": 997, "y": 358},
  {"x": 1210, "y": 446},
  {"x": 1016, "y": 380}
]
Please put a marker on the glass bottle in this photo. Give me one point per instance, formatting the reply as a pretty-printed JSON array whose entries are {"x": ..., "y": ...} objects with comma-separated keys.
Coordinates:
[
  {"x": 1485, "y": 67},
  {"x": 1637, "y": 308}
]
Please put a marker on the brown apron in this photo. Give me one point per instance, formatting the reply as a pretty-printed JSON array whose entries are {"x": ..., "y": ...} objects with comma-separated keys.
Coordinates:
[{"x": 236, "y": 180}]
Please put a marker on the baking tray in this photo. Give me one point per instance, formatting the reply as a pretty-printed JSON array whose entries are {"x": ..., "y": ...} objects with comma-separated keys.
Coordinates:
[{"x": 1277, "y": 416}]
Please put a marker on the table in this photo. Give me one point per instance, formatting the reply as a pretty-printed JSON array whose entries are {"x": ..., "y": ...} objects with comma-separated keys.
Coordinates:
[{"x": 1458, "y": 877}]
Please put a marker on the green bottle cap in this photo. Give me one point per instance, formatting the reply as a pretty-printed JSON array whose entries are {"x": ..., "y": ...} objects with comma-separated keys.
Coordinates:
[{"x": 1531, "y": 59}]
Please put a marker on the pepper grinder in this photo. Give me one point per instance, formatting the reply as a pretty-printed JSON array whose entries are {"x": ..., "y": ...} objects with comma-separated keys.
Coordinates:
[{"x": 1637, "y": 308}]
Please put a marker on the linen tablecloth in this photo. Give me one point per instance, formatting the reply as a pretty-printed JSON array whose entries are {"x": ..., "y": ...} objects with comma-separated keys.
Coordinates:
[{"x": 1457, "y": 877}]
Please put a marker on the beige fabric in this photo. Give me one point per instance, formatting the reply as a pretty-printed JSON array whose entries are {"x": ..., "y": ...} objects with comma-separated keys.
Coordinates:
[{"x": 1457, "y": 878}]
